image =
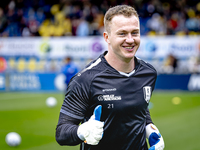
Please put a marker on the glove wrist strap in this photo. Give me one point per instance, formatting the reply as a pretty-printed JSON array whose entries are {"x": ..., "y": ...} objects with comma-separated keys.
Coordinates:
[{"x": 150, "y": 128}]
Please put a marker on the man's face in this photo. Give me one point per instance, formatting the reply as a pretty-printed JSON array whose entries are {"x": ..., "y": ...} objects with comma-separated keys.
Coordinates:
[{"x": 124, "y": 37}]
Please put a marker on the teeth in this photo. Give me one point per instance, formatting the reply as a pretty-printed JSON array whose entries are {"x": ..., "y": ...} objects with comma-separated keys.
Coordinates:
[{"x": 129, "y": 47}]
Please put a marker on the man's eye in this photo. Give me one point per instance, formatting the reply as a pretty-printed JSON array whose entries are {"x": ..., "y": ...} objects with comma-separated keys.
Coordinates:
[
  {"x": 121, "y": 33},
  {"x": 134, "y": 33}
]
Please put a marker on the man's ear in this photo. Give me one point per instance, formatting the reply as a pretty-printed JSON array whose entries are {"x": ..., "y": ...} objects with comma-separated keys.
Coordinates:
[{"x": 106, "y": 37}]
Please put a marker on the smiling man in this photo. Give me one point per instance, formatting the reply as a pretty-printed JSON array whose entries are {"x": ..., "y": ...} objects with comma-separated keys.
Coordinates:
[
  {"x": 123, "y": 38},
  {"x": 110, "y": 96}
]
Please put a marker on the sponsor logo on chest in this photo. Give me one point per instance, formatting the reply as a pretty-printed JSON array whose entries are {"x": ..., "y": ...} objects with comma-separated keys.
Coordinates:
[{"x": 111, "y": 97}]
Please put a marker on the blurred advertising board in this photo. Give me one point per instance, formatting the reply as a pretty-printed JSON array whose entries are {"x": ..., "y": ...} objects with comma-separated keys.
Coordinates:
[
  {"x": 2, "y": 82},
  {"x": 52, "y": 47},
  {"x": 189, "y": 82},
  {"x": 32, "y": 82},
  {"x": 90, "y": 47},
  {"x": 55, "y": 82},
  {"x": 159, "y": 47},
  {"x": 34, "y": 63}
]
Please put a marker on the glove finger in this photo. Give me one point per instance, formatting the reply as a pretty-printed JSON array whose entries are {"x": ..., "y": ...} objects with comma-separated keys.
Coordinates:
[
  {"x": 160, "y": 145},
  {"x": 97, "y": 112},
  {"x": 97, "y": 124},
  {"x": 152, "y": 148},
  {"x": 98, "y": 137},
  {"x": 92, "y": 141},
  {"x": 100, "y": 125},
  {"x": 97, "y": 131},
  {"x": 98, "y": 134}
]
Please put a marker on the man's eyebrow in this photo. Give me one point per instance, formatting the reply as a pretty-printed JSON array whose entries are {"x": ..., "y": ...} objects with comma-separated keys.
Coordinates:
[
  {"x": 137, "y": 29},
  {"x": 122, "y": 30}
]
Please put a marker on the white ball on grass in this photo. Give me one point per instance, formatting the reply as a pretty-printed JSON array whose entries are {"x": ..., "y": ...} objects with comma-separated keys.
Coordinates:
[
  {"x": 51, "y": 102},
  {"x": 13, "y": 139}
]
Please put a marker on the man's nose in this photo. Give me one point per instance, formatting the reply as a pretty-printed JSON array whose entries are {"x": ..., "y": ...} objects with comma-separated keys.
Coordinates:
[{"x": 129, "y": 38}]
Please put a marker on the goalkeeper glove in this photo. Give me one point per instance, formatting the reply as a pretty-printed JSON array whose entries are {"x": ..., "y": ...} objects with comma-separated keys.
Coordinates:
[
  {"x": 91, "y": 131},
  {"x": 156, "y": 141}
]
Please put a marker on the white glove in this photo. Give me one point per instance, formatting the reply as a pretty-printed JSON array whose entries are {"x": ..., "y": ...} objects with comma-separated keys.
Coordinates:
[
  {"x": 156, "y": 141},
  {"x": 91, "y": 131}
]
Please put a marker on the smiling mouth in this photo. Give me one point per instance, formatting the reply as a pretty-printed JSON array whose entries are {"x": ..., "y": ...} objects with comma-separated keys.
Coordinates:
[{"x": 128, "y": 47}]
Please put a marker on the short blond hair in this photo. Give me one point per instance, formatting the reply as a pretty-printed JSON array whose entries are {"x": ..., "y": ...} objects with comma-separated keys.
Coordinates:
[{"x": 124, "y": 10}]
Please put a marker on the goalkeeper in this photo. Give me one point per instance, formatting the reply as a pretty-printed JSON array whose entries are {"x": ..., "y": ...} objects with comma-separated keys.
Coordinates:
[{"x": 106, "y": 104}]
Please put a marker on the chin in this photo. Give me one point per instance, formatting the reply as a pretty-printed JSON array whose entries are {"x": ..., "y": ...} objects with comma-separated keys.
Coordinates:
[
  {"x": 130, "y": 55},
  {"x": 128, "y": 58}
]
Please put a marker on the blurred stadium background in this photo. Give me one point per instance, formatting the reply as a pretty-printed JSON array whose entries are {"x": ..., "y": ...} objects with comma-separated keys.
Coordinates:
[{"x": 36, "y": 36}]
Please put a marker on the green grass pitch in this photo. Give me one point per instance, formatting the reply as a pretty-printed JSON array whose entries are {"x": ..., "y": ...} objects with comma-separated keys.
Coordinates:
[{"x": 28, "y": 115}]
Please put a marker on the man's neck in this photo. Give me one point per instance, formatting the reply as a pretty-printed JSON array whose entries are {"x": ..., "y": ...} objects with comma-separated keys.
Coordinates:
[{"x": 125, "y": 66}]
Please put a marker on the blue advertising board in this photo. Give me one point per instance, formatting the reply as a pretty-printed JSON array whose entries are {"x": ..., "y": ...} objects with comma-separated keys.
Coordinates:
[
  {"x": 189, "y": 82},
  {"x": 32, "y": 82},
  {"x": 172, "y": 82},
  {"x": 55, "y": 82}
]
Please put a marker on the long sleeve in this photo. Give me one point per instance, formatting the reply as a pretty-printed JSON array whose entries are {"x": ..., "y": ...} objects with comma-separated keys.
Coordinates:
[
  {"x": 66, "y": 131},
  {"x": 73, "y": 111},
  {"x": 148, "y": 118}
]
